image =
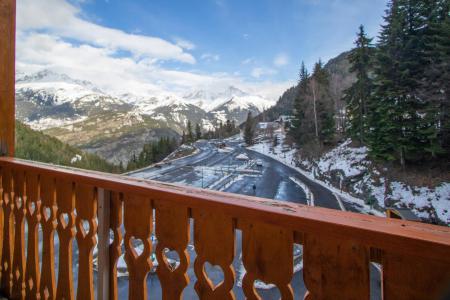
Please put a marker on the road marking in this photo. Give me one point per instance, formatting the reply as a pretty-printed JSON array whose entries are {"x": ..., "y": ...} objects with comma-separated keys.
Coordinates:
[
  {"x": 341, "y": 205},
  {"x": 304, "y": 187}
]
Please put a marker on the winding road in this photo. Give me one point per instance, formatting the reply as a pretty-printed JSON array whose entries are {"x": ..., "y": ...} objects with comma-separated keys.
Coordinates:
[{"x": 221, "y": 169}]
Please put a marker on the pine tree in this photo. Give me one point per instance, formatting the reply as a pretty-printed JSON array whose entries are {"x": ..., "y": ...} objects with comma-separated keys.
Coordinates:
[
  {"x": 323, "y": 105},
  {"x": 198, "y": 132},
  {"x": 190, "y": 134},
  {"x": 436, "y": 83},
  {"x": 249, "y": 129},
  {"x": 358, "y": 95},
  {"x": 400, "y": 118},
  {"x": 297, "y": 129},
  {"x": 183, "y": 138}
]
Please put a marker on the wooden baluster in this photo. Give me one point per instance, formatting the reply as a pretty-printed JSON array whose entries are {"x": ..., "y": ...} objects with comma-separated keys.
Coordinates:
[
  {"x": 335, "y": 268},
  {"x": 86, "y": 205},
  {"x": 172, "y": 232},
  {"x": 411, "y": 277},
  {"x": 20, "y": 199},
  {"x": 33, "y": 215},
  {"x": 115, "y": 249},
  {"x": 8, "y": 232},
  {"x": 47, "y": 287},
  {"x": 214, "y": 240},
  {"x": 1, "y": 222},
  {"x": 267, "y": 255},
  {"x": 138, "y": 225},
  {"x": 66, "y": 231}
]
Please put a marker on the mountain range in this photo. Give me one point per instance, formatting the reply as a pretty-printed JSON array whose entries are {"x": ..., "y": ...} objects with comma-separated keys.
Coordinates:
[{"x": 116, "y": 125}]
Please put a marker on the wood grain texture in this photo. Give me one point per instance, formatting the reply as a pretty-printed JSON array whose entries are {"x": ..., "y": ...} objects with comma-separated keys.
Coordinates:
[
  {"x": 2, "y": 244},
  {"x": 414, "y": 278},
  {"x": 267, "y": 255},
  {"x": 103, "y": 244},
  {"x": 138, "y": 221},
  {"x": 47, "y": 286},
  {"x": 335, "y": 268},
  {"x": 214, "y": 241},
  {"x": 33, "y": 217},
  {"x": 412, "y": 238},
  {"x": 172, "y": 232},
  {"x": 86, "y": 206},
  {"x": 20, "y": 202},
  {"x": 65, "y": 199},
  {"x": 335, "y": 242},
  {"x": 8, "y": 231},
  {"x": 7, "y": 76},
  {"x": 115, "y": 249}
]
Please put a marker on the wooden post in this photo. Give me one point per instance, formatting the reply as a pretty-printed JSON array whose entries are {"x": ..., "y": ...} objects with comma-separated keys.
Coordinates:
[
  {"x": 103, "y": 244},
  {"x": 7, "y": 76}
]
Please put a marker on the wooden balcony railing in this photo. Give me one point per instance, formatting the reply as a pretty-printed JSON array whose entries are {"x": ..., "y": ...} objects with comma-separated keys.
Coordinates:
[{"x": 77, "y": 205}]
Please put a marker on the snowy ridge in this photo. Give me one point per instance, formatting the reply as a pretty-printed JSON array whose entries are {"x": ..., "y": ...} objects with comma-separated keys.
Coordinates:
[
  {"x": 426, "y": 202},
  {"x": 62, "y": 100}
]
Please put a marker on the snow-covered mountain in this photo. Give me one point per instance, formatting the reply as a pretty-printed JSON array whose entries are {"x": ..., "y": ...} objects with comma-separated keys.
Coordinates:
[{"x": 64, "y": 107}]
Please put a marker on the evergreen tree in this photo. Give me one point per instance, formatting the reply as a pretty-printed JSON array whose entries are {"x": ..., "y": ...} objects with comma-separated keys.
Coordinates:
[
  {"x": 400, "y": 117},
  {"x": 183, "y": 138},
  {"x": 323, "y": 106},
  {"x": 198, "y": 132},
  {"x": 358, "y": 95},
  {"x": 249, "y": 129},
  {"x": 297, "y": 124},
  {"x": 190, "y": 134},
  {"x": 436, "y": 83}
]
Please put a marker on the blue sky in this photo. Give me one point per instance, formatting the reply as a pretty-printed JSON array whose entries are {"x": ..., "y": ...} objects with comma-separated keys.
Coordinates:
[{"x": 254, "y": 42}]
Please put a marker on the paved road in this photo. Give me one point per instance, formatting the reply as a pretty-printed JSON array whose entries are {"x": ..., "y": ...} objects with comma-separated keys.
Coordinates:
[{"x": 222, "y": 170}]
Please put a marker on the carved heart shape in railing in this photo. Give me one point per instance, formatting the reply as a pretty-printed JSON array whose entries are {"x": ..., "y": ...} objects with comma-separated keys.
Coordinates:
[
  {"x": 266, "y": 290},
  {"x": 137, "y": 246},
  {"x": 214, "y": 274},
  {"x": 84, "y": 227},
  {"x": 31, "y": 207},
  {"x": 47, "y": 212},
  {"x": 171, "y": 259},
  {"x": 19, "y": 202},
  {"x": 64, "y": 220}
]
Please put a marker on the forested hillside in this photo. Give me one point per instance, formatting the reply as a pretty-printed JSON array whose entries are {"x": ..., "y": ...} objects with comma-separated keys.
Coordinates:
[
  {"x": 34, "y": 145},
  {"x": 391, "y": 96}
]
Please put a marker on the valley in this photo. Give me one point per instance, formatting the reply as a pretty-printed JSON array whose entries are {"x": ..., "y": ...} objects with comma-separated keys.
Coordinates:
[{"x": 115, "y": 125}]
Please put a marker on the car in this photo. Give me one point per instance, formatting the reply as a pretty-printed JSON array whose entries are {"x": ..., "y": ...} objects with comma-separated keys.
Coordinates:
[
  {"x": 259, "y": 163},
  {"x": 242, "y": 156},
  {"x": 158, "y": 166}
]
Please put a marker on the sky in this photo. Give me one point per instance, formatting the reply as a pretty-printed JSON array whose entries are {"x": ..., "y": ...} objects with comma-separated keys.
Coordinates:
[{"x": 150, "y": 46}]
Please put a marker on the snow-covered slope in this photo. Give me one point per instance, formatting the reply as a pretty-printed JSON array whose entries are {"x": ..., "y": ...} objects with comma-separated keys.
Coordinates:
[
  {"x": 348, "y": 171},
  {"x": 63, "y": 106},
  {"x": 50, "y": 99}
]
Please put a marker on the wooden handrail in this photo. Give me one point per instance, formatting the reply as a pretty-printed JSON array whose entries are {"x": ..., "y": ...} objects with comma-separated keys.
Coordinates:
[{"x": 347, "y": 239}]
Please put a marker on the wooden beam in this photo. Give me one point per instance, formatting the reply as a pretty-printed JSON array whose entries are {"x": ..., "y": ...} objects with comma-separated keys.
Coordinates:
[
  {"x": 7, "y": 76},
  {"x": 103, "y": 244}
]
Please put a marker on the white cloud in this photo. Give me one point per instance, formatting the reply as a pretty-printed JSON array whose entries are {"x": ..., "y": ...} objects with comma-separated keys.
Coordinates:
[
  {"x": 52, "y": 35},
  {"x": 185, "y": 44},
  {"x": 259, "y": 72},
  {"x": 63, "y": 19},
  {"x": 210, "y": 57},
  {"x": 36, "y": 52},
  {"x": 281, "y": 60},
  {"x": 248, "y": 61}
]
